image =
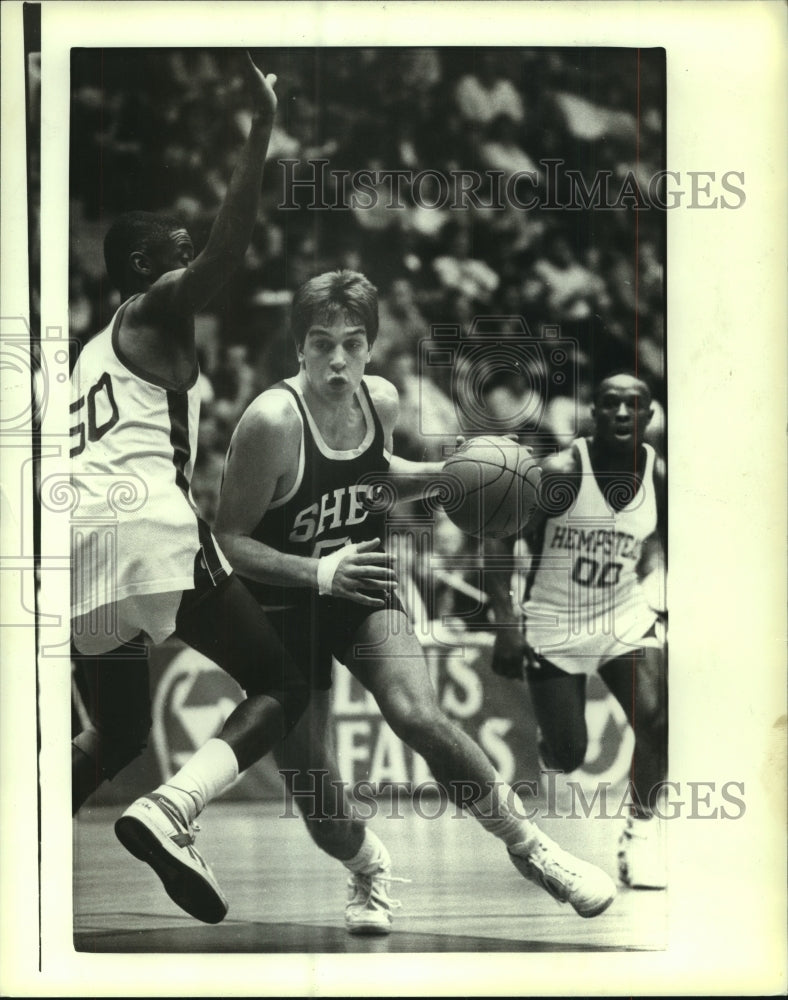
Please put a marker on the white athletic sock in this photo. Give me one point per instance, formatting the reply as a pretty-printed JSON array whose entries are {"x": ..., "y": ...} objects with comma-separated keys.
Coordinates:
[
  {"x": 495, "y": 813},
  {"x": 207, "y": 774},
  {"x": 371, "y": 856}
]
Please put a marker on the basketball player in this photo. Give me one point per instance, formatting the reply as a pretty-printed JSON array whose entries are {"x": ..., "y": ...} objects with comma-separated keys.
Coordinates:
[
  {"x": 295, "y": 522},
  {"x": 159, "y": 570},
  {"x": 602, "y": 509}
]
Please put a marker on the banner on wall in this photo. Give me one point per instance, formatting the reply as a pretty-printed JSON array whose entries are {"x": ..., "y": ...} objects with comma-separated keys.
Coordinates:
[{"x": 191, "y": 697}]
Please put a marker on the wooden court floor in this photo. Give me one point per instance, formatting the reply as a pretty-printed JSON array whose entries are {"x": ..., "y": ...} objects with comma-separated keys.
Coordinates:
[{"x": 286, "y": 896}]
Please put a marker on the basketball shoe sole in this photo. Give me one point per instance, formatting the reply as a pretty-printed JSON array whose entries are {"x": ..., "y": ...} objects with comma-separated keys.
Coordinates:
[{"x": 153, "y": 830}]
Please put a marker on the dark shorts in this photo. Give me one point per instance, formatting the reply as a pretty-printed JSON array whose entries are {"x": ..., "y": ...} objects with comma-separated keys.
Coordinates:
[
  {"x": 220, "y": 619},
  {"x": 319, "y": 628}
]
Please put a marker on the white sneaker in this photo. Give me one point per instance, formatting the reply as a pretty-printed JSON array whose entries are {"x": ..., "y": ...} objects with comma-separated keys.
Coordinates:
[
  {"x": 154, "y": 831},
  {"x": 566, "y": 878},
  {"x": 641, "y": 854},
  {"x": 369, "y": 906}
]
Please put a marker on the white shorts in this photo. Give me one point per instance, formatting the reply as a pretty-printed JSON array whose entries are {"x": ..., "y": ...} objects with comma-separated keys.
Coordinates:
[
  {"x": 109, "y": 626},
  {"x": 110, "y": 623},
  {"x": 585, "y": 652}
]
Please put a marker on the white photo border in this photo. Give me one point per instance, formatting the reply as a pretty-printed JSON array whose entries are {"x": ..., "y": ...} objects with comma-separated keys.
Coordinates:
[{"x": 726, "y": 75}]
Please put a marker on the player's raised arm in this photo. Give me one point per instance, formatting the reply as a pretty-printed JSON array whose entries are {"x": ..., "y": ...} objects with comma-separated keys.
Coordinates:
[{"x": 183, "y": 290}]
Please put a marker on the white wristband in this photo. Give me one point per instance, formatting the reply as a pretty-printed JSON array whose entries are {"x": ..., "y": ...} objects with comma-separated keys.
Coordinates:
[{"x": 327, "y": 567}]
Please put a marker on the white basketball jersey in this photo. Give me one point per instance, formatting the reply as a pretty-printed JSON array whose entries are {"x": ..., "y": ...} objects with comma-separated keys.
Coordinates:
[
  {"x": 583, "y": 580},
  {"x": 134, "y": 528}
]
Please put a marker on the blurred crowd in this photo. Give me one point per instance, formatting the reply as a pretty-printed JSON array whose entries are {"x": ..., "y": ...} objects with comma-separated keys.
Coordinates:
[{"x": 160, "y": 130}]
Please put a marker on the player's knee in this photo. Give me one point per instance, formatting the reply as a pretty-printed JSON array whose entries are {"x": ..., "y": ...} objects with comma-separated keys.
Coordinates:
[
  {"x": 124, "y": 749},
  {"x": 562, "y": 755},
  {"x": 412, "y": 721},
  {"x": 650, "y": 706},
  {"x": 114, "y": 747},
  {"x": 572, "y": 759},
  {"x": 293, "y": 700},
  {"x": 294, "y": 703},
  {"x": 650, "y": 717}
]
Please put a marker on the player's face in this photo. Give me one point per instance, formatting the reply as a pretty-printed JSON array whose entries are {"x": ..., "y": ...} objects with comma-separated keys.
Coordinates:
[
  {"x": 334, "y": 356},
  {"x": 622, "y": 412}
]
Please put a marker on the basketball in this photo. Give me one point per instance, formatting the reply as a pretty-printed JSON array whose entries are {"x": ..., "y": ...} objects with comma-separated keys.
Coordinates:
[{"x": 494, "y": 487}]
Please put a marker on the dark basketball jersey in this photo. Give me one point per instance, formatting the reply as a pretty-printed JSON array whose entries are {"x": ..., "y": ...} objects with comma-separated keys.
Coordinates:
[{"x": 328, "y": 505}]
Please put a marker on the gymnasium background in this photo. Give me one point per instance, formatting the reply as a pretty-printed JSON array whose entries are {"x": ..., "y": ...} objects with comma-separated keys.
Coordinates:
[{"x": 160, "y": 129}]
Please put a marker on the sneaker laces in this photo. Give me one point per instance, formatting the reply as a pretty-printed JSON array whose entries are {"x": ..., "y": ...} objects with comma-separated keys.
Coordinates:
[
  {"x": 556, "y": 858},
  {"x": 566, "y": 878},
  {"x": 548, "y": 850},
  {"x": 551, "y": 867},
  {"x": 187, "y": 830},
  {"x": 366, "y": 883}
]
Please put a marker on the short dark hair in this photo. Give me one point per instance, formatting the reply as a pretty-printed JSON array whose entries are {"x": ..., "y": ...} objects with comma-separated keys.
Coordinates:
[
  {"x": 621, "y": 371},
  {"x": 143, "y": 231},
  {"x": 323, "y": 297}
]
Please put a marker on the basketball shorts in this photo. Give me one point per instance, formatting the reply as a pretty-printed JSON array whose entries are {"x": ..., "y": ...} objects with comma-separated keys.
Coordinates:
[
  {"x": 109, "y": 626},
  {"x": 221, "y": 620},
  {"x": 319, "y": 629},
  {"x": 585, "y": 652}
]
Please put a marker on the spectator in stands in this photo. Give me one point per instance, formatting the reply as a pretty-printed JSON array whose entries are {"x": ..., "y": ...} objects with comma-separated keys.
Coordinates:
[
  {"x": 80, "y": 306},
  {"x": 572, "y": 290},
  {"x": 234, "y": 384},
  {"x": 457, "y": 271},
  {"x": 427, "y": 417},
  {"x": 512, "y": 398},
  {"x": 484, "y": 94},
  {"x": 401, "y": 324},
  {"x": 500, "y": 149}
]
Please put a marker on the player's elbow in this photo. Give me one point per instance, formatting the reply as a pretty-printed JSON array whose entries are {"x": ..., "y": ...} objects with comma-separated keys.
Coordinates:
[{"x": 210, "y": 272}]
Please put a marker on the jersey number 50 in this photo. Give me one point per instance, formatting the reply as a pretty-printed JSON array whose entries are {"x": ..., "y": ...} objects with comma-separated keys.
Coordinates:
[{"x": 99, "y": 399}]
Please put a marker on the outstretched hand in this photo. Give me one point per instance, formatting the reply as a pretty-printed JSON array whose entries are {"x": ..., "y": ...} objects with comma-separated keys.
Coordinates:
[
  {"x": 261, "y": 86},
  {"x": 511, "y": 653}
]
